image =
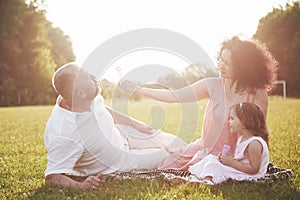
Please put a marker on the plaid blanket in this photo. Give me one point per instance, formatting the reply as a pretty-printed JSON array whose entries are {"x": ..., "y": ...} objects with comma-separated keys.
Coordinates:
[{"x": 273, "y": 174}]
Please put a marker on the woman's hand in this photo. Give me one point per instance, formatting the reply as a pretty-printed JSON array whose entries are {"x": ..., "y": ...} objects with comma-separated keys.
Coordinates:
[{"x": 127, "y": 85}]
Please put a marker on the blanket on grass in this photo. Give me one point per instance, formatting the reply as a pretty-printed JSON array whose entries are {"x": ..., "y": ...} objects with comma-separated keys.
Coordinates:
[{"x": 273, "y": 174}]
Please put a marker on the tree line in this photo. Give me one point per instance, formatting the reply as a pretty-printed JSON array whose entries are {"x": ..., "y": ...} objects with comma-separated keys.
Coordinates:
[
  {"x": 31, "y": 49},
  {"x": 280, "y": 31}
]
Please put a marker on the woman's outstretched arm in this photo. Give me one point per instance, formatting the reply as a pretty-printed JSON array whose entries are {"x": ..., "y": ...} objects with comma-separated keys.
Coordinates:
[{"x": 195, "y": 92}]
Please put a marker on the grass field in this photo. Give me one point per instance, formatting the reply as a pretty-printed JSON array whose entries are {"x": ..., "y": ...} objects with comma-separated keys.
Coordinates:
[{"x": 23, "y": 156}]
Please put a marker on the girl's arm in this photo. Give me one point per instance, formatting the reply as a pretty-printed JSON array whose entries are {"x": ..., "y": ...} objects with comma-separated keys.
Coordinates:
[
  {"x": 254, "y": 152},
  {"x": 195, "y": 92}
]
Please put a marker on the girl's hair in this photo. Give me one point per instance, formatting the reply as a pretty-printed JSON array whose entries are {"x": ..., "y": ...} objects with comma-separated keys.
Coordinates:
[
  {"x": 253, "y": 66},
  {"x": 253, "y": 118}
]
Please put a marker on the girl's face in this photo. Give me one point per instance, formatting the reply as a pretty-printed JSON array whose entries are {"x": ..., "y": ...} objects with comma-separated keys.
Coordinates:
[
  {"x": 235, "y": 124},
  {"x": 225, "y": 64}
]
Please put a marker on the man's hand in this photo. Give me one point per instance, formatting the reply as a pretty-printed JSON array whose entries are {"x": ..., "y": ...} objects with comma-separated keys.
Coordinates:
[
  {"x": 91, "y": 182},
  {"x": 142, "y": 127},
  {"x": 61, "y": 180}
]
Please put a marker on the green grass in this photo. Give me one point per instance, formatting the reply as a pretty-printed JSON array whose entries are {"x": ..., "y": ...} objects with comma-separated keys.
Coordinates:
[{"x": 23, "y": 156}]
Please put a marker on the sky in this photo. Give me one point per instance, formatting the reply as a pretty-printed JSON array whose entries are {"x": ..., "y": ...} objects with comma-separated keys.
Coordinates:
[{"x": 89, "y": 23}]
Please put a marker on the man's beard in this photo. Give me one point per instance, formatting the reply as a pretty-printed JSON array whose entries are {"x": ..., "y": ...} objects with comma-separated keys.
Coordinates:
[{"x": 92, "y": 95}]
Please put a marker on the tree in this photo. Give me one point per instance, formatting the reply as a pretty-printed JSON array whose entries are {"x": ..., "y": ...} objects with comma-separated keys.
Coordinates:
[
  {"x": 195, "y": 72},
  {"x": 172, "y": 81},
  {"x": 280, "y": 31},
  {"x": 61, "y": 46},
  {"x": 107, "y": 88},
  {"x": 9, "y": 48},
  {"x": 31, "y": 49}
]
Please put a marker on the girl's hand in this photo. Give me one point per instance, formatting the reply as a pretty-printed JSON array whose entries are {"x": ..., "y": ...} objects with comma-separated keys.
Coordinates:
[
  {"x": 127, "y": 85},
  {"x": 226, "y": 160}
]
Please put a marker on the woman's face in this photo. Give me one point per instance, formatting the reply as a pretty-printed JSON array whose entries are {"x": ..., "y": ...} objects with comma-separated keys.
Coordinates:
[{"x": 225, "y": 64}]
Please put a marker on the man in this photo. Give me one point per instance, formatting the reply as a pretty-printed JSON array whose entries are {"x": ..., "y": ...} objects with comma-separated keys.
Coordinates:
[{"x": 82, "y": 140}]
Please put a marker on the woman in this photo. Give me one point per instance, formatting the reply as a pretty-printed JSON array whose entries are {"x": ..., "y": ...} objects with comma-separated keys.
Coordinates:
[{"x": 247, "y": 71}]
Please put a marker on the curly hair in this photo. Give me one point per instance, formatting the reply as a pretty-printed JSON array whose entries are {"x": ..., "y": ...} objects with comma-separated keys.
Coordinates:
[
  {"x": 253, "y": 66},
  {"x": 253, "y": 118}
]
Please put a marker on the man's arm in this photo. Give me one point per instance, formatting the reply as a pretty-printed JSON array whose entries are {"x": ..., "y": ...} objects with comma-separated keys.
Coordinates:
[
  {"x": 63, "y": 153},
  {"x": 91, "y": 182},
  {"x": 120, "y": 118}
]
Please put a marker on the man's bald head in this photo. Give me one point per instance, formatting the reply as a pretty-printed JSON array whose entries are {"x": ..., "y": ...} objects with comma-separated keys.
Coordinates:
[{"x": 64, "y": 78}]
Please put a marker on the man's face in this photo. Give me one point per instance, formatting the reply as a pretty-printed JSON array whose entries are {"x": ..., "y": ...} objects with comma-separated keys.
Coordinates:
[{"x": 88, "y": 84}]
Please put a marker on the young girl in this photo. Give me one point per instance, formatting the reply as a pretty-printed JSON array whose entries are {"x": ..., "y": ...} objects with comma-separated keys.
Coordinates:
[{"x": 251, "y": 156}]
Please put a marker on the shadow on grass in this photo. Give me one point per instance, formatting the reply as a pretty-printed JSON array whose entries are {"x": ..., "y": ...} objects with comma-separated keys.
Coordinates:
[
  {"x": 162, "y": 189},
  {"x": 280, "y": 189},
  {"x": 116, "y": 189}
]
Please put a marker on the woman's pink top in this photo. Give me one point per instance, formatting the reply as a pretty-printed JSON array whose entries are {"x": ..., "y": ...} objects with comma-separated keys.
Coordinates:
[{"x": 215, "y": 130}]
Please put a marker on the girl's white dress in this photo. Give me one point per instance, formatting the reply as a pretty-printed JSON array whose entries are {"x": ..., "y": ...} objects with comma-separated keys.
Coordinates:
[{"x": 211, "y": 166}]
